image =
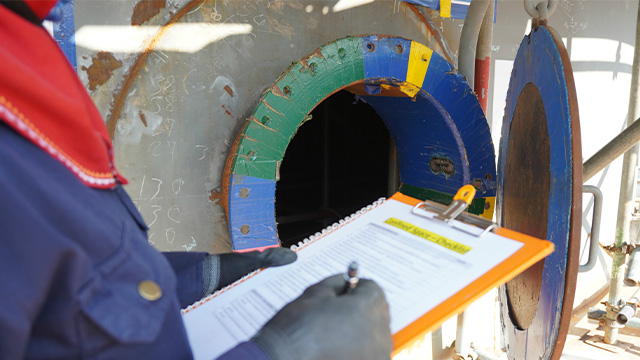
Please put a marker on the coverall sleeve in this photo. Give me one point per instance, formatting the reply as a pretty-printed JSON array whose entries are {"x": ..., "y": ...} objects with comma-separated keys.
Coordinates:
[
  {"x": 245, "y": 350},
  {"x": 188, "y": 267}
]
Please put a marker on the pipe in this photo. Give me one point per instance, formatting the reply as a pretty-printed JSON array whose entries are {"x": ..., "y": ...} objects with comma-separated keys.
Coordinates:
[
  {"x": 633, "y": 269},
  {"x": 616, "y": 147},
  {"x": 596, "y": 314},
  {"x": 483, "y": 57},
  {"x": 469, "y": 39},
  {"x": 475, "y": 52},
  {"x": 625, "y": 203}
]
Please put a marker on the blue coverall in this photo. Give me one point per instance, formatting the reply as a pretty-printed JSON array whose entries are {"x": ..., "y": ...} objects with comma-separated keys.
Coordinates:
[{"x": 78, "y": 279}]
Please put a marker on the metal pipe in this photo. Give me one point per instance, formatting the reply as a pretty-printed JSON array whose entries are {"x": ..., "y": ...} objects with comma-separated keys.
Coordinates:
[
  {"x": 463, "y": 343},
  {"x": 625, "y": 203},
  {"x": 483, "y": 57},
  {"x": 475, "y": 45},
  {"x": 485, "y": 355},
  {"x": 633, "y": 269},
  {"x": 616, "y": 147},
  {"x": 597, "y": 314},
  {"x": 469, "y": 39}
]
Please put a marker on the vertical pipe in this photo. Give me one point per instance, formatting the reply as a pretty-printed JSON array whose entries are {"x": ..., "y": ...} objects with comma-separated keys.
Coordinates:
[
  {"x": 483, "y": 57},
  {"x": 469, "y": 39},
  {"x": 475, "y": 42},
  {"x": 625, "y": 203}
]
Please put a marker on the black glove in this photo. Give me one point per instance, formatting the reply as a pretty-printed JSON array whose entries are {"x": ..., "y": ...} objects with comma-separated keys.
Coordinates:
[
  {"x": 223, "y": 269},
  {"x": 326, "y": 323}
]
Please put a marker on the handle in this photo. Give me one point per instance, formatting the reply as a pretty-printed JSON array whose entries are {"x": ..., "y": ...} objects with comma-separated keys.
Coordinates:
[{"x": 595, "y": 227}]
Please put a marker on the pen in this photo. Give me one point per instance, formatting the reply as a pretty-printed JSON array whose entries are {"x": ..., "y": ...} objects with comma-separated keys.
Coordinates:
[{"x": 351, "y": 277}]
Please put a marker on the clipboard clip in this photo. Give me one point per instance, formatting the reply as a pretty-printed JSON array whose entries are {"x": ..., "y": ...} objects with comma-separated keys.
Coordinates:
[{"x": 461, "y": 201}]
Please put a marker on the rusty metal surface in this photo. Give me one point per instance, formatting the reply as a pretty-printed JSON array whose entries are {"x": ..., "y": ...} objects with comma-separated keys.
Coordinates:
[
  {"x": 174, "y": 111},
  {"x": 526, "y": 183}
]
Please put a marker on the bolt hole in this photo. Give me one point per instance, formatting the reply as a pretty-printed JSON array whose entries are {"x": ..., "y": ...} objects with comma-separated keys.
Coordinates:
[
  {"x": 245, "y": 229},
  {"x": 399, "y": 49},
  {"x": 487, "y": 205},
  {"x": 265, "y": 120},
  {"x": 371, "y": 47},
  {"x": 488, "y": 176},
  {"x": 252, "y": 155},
  {"x": 312, "y": 68},
  {"x": 287, "y": 90},
  {"x": 244, "y": 193},
  {"x": 424, "y": 58},
  {"x": 342, "y": 52},
  {"x": 442, "y": 165}
]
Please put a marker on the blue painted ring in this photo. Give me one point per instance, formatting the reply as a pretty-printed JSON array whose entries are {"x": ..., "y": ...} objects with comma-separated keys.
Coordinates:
[{"x": 539, "y": 62}]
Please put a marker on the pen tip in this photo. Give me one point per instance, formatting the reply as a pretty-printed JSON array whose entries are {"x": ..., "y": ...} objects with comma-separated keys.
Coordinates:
[{"x": 353, "y": 268}]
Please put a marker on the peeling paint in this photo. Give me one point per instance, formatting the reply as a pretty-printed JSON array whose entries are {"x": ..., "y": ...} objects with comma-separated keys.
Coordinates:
[
  {"x": 101, "y": 69},
  {"x": 145, "y": 10}
]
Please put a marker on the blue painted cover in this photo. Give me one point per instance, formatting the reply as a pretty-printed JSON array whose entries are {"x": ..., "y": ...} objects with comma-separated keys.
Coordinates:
[{"x": 547, "y": 74}]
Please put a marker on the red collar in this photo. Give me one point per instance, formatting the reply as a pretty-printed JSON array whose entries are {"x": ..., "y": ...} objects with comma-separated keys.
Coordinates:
[
  {"x": 42, "y": 98},
  {"x": 41, "y": 7}
]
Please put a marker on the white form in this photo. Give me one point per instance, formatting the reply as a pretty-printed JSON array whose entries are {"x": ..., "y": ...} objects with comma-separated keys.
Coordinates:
[{"x": 416, "y": 268}]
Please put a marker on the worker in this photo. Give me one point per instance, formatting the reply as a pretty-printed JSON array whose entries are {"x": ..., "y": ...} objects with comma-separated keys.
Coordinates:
[{"x": 79, "y": 279}]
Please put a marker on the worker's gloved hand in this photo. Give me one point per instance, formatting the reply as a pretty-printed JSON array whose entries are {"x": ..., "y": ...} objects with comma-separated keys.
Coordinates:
[
  {"x": 223, "y": 269},
  {"x": 326, "y": 323}
]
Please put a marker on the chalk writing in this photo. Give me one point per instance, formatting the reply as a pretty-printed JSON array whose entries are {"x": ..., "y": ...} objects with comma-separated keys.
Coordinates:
[
  {"x": 204, "y": 151},
  {"x": 174, "y": 214},
  {"x": 176, "y": 186},
  {"x": 191, "y": 245},
  {"x": 155, "y": 213},
  {"x": 170, "y": 235},
  {"x": 158, "y": 189},
  {"x": 154, "y": 145}
]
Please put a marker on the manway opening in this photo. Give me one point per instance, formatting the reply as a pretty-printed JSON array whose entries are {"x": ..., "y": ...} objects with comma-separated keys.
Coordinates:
[{"x": 339, "y": 161}]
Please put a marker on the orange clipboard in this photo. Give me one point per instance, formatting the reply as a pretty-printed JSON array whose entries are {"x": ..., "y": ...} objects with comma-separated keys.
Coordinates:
[
  {"x": 532, "y": 251},
  {"x": 527, "y": 252}
]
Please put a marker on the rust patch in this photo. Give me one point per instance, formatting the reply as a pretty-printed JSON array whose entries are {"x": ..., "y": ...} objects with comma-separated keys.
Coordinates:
[
  {"x": 216, "y": 196},
  {"x": 226, "y": 110},
  {"x": 101, "y": 69},
  {"x": 227, "y": 88},
  {"x": 280, "y": 28},
  {"x": 295, "y": 4},
  {"x": 145, "y": 10},
  {"x": 120, "y": 95},
  {"x": 226, "y": 171},
  {"x": 143, "y": 118}
]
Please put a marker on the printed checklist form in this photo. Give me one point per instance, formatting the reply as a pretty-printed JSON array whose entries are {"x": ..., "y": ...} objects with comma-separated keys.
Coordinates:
[{"x": 429, "y": 270}]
